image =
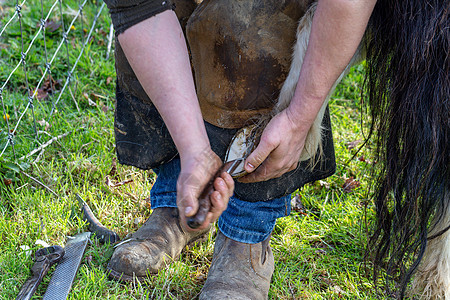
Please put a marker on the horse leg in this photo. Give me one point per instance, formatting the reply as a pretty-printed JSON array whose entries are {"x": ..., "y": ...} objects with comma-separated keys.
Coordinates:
[{"x": 432, "y": 279}]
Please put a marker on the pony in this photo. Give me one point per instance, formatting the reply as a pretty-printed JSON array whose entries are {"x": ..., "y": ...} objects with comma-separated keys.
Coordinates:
[{"x": 406, "y": 47}]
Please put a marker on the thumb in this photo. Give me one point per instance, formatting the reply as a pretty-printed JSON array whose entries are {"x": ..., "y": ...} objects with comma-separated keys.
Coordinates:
[
  {"x": 190, "y": 203},
  {"x": 258, "y": 155},
  {"x": 187, "y": 194}
]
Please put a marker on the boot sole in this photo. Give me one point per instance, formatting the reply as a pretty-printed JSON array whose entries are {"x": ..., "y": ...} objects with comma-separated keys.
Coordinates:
[{"x": 122, "y": 277}]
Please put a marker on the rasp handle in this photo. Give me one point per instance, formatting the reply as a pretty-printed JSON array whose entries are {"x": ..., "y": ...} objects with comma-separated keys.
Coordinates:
[
  {"x": 29, "y": 287},
  {"x": 45, "y": 258}
]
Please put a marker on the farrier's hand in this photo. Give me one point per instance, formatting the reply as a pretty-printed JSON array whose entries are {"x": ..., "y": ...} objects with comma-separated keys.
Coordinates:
[
  {"x": 279, "y": 149},
  {"x": 196, "y": 171}
]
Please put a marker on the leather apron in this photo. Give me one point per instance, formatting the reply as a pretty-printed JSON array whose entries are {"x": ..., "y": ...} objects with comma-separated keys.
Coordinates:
[{"x": 241, "y": 52}]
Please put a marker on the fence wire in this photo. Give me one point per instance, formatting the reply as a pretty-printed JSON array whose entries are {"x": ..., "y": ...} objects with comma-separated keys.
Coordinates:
[{"x": 61, "y": 52}]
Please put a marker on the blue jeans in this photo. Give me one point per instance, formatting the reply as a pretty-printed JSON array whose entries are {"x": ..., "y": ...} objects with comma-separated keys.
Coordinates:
[{"x": 242, "y": 221}]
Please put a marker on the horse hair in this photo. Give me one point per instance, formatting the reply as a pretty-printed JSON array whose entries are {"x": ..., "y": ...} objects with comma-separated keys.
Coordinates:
[{"x": 407, "y": 86}]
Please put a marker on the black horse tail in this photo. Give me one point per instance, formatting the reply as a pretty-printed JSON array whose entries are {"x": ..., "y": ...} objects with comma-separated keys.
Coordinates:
[{"x": 407, "y": 86}]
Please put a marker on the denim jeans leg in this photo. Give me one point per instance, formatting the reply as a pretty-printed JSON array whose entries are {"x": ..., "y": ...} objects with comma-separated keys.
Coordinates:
[
  {"x": 242, "y": 221},
  {"x": 252, "y": 222},
  {"x": 164, "y": 190}
]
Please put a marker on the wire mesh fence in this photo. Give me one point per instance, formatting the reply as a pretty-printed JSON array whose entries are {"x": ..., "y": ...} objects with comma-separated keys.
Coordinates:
[{"x": 41, "y": 44}]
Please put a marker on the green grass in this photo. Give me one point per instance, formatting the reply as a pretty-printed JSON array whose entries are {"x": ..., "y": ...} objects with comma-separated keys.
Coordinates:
[{"x": 318, "y": 251}]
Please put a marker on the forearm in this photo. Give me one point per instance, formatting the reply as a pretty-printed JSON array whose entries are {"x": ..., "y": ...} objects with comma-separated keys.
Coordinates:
[
  {"x": 337, "y": 30},
  {"x": 157, "y": 52}
]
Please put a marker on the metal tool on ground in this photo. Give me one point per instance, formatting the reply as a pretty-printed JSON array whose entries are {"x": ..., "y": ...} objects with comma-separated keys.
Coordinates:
[
  {"x": 44, "y": 259},
  {"x": 103, "y": 234},
  {"x": 62, "y": 279}
]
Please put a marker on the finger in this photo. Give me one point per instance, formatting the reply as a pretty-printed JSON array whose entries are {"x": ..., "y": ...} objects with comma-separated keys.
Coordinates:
[
  {"x": 218, "y": 204},
  {"x": 259, "y": 175},
  {"x": 229, "y": 181},
  {"x": 257, "y": 157},
  {"x": 265, "y": 172},
  {"x": 222, "y": 187},
  {"x": 220, "y": 196},
  {"x": 223, "y": 190}
]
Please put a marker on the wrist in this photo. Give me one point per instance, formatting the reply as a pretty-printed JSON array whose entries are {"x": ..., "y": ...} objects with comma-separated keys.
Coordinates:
[
  {"x": 302, "y": 113},
  {"x": 198, "y": 151}
]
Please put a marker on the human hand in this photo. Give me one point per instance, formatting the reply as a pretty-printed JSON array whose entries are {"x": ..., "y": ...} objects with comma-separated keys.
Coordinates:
[
  {"x": 279, "y": 149},
  {"x": 196, "y": 172}
]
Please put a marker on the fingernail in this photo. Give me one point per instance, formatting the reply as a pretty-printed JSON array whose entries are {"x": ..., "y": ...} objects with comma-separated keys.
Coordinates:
[
  {"x": 187, "y": 210},
  {"x": 221, "y": 182},
  {"x": 249, "y": 165}
]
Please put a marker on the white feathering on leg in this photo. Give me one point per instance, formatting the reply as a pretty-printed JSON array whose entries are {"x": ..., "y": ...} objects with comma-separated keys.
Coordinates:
[
  {"x": 432, "y": 278},
  {"x": 313, "y": 142}
]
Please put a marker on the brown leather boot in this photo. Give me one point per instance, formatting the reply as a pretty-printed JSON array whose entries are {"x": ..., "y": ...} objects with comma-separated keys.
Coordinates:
[
  {"x": 160, "y": 240},
  {"x": 239, "y": 271}
]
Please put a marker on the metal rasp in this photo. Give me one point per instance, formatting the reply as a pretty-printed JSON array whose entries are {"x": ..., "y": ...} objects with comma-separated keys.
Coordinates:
[{"x": 64, "y": 274}]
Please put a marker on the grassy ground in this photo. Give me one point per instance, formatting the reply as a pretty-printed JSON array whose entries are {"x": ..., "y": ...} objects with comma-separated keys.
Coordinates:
[{"x": 318, "y": 249}]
